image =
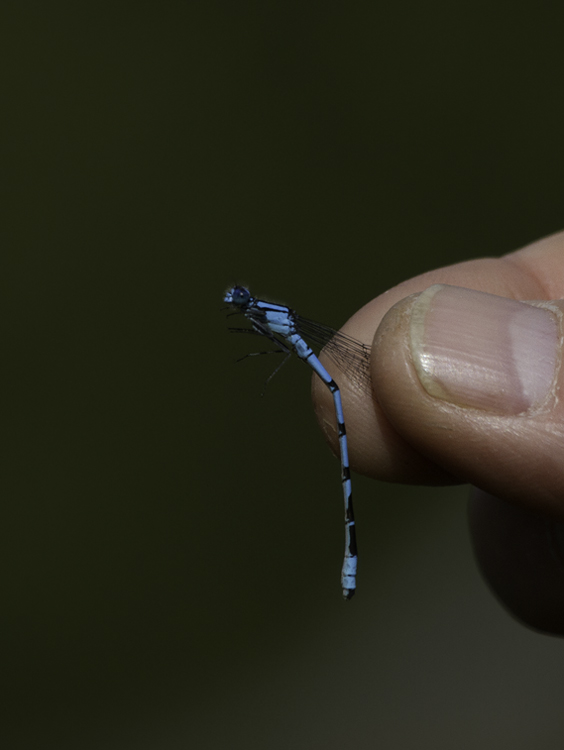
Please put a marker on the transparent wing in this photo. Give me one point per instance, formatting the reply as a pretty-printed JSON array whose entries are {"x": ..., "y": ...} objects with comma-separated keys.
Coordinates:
[{"x": 351, "y": 356}]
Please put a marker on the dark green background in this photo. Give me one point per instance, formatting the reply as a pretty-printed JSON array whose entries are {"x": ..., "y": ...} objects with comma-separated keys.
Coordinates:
[{"x": 171, "y": 541}]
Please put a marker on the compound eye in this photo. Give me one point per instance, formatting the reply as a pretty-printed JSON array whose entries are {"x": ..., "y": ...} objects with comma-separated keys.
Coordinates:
[{"x": 241, "y": 295}]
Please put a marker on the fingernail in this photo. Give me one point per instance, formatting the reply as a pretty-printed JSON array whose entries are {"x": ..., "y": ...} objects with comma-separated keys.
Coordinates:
[{"x": 479, "y": 350}]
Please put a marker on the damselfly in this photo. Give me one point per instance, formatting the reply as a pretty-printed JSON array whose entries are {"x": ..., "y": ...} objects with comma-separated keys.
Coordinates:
[{"x": 288, "y": 331}]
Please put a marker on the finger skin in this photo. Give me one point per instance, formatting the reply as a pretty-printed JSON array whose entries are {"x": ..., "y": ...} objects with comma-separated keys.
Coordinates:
[
  {"x": 400, "y": 434},
  {"x": 377, "y": 450},
  {"x": 518, "y": 457}
]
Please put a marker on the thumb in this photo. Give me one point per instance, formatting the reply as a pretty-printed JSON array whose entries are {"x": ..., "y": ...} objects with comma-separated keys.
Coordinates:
[
  {"x": 466, "y": 379},
  {"x": 470, "y": 381}
]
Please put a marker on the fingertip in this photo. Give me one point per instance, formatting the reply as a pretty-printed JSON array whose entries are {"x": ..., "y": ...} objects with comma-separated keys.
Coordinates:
[
  {"x": 467, "y": 405},
  {"x": 376, "y": 448},
  {"x": 401, "y": 432}
]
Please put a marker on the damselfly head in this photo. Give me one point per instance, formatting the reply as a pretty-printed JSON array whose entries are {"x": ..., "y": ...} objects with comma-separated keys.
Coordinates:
[{"x": 238, "y": 296}]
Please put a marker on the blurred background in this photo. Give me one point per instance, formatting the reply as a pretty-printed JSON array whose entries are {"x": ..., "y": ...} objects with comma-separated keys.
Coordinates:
[{"x": 157, "y": 514}]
